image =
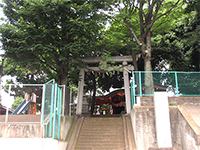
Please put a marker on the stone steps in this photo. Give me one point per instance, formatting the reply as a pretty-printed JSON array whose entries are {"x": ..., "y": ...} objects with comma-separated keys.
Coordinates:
[
  {"x": 100, "y": 128},
  {"x": 99, "y": 148},
  {"x": 104, "y": 140},
  {"x": 101, "y": 134}
]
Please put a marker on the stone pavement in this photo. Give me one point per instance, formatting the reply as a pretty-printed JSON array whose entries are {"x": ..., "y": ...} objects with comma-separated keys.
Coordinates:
[{"x": 194, "y": 112}]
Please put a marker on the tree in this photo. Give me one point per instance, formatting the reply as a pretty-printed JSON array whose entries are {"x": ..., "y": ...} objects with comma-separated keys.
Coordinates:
[
  {"x": 23, "y": 73},
  {"x": 192, "y": 35},
  {"x": 47, "y": 36},
  {"x": 148, "y": 12},
  {"x": 181, "y": 41},
  {"x": 17, "y": 102}
]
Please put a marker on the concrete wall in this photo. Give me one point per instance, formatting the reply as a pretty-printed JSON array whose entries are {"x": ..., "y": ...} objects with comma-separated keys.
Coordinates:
[
  {"x": 66, "y": 123},
  {"x": 31, "y": 136},
  {"x": 148, "y": 100},
  {"x": 174, "y": 123},
  {"x": 21, "y": 131},
  {"x": 189, "y": 131},
  {"x": 143, "y": 121},
  {"x": 31, "y": 130},
  {"x": 32, "y": 144},
  {"x": 144, "y": 127},
  {"x": 21, "y": 118}
]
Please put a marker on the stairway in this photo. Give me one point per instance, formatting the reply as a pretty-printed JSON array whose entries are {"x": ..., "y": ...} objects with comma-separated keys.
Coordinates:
[{"x": 101, "y": 133}]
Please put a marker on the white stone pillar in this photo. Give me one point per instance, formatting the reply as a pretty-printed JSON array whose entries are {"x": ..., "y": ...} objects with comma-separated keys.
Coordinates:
[
  {"x": 162, "y": 120},
  {"x": 127, "y": 89},
  {"x": 80, "y": 92}
]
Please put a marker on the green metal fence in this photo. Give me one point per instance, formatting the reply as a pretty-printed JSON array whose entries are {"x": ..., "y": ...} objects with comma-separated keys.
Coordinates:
[
  {"x": 52, "y": 102},
  {"x": 145, "y": 83},
  {"x": 52, "y": 108},
  {"x": 16, "y": 92}
]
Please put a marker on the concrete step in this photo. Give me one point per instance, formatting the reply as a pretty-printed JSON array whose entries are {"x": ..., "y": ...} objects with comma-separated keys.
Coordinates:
[
  {"x": 103, "y": 123},
  {"x": 99, "y": 137},
  {"x": 102, "y": 129},
  {"x": 103, "y": 118},
  {"x": 116, "y": 145},
  {"x": 101, "y": 133},
  {"x": 98, "y": 123},
  {"x": 102, "y": 142},
  {"x": 99, "y": 148},
  {"x": 107, "y": 120}
]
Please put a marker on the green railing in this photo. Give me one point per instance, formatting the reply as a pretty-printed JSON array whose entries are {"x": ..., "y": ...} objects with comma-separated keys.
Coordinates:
[
  {"x": 52, "y": 110},
  {"x": 145, "y": 83},
  {"x": 52, "y": 96},
  {"x": 13, "y": 92}
]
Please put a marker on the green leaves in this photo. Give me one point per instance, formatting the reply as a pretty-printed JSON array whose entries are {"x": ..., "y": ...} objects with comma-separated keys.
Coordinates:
[
  {"x": 49, "y": 33},
  {"x": 17, "y": 102}
]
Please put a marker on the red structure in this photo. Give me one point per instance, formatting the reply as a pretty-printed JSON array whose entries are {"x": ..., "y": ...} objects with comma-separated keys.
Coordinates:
[{"x": 116, "y": 99}]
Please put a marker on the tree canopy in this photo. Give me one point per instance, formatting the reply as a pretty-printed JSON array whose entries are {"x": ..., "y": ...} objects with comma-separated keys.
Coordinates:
[
  {"x": 43, "y": 39},
  {"x": 179, "y": 47},
  {"x": 46, "y": 36}
]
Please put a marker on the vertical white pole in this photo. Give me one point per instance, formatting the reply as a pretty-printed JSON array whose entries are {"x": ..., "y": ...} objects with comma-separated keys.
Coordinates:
[
  {"x": 7, "y": 105},
  {"x": 127, "y": 89},
  {"x": 80, "y": 92}
]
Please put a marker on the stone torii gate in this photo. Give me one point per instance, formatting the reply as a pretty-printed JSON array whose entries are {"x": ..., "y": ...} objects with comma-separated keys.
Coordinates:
[{"x": 126, "y": 69}]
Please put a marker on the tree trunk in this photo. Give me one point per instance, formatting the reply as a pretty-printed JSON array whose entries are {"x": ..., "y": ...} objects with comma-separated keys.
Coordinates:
[
  {"x": 149, "y": 88},
  {"x": 136, "y": 69},
  {"x": 63, "y": 79}
]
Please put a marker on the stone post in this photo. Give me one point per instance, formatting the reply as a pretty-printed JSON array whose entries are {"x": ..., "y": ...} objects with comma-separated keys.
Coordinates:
[{"x": 127, "y": 89}]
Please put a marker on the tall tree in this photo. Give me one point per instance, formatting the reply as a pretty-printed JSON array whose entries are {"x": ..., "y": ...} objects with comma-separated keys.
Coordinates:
[
  {"x": 181, "y": 44},
  {"x": 48, "y": 35},
  {"x": 148, "y": 12}
]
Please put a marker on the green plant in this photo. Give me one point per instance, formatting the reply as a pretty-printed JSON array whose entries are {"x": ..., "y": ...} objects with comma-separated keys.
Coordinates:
[{"x": 105, "y": 107}]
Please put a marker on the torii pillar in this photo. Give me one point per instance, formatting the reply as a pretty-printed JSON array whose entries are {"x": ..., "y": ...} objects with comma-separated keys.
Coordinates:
[
  {"x": 127, "y": 88},
  {"x": 80, "y": 92},
  {"x": 93, "y": 60}
]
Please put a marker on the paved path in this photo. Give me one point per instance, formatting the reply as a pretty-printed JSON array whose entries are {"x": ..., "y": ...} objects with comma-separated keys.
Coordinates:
[{"x": 194, "y": 111}]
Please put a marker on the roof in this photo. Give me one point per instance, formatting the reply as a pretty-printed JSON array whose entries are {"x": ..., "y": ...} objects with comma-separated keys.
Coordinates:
[{"x": 2, "y": 107}]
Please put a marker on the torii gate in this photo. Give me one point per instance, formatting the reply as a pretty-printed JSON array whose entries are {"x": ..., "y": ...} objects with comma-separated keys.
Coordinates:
[{"x": 126, "y": 69}]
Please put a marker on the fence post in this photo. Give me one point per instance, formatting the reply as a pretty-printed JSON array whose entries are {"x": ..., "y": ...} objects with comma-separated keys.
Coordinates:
[
  {"x": 63, "y": 100},
  {"x": 59, "y": 111},
  {"x": 51, "y": 111},
  {"x": 54, "y": 110},
  {"x": 133, "y": 87},
  {"x": 7, "y": 106},
  {"x": 140, "y": 83},
  {"x": 131, "y": 94},
  {"x": 43, "y": 105},
  {"x": 176, "y": 80},
  {"x": 70, "y": 103}
]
